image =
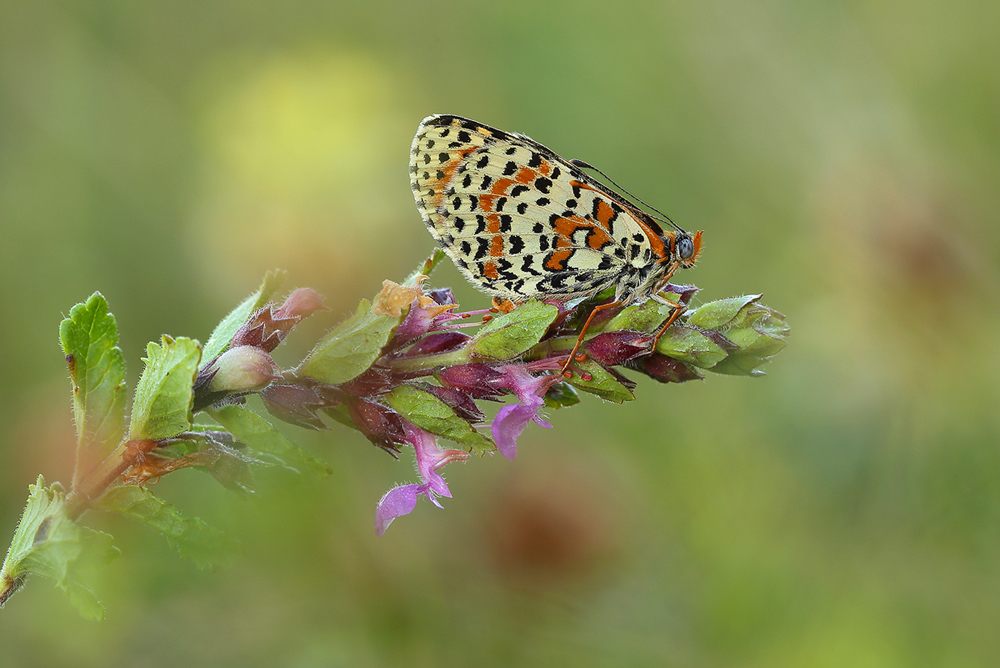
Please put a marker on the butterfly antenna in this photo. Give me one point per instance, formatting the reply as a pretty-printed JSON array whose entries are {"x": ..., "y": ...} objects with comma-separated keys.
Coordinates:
[{"x": 585, "y": 165}]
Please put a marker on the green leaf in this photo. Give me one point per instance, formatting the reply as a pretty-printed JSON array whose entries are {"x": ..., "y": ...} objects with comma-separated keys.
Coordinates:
[
  {"x": 350, "y": 348},
  {"x": 601, "y": 382},
  {"x": 433, "y": 415},
  {"x": 190, "y": 536},
  {"x": 261, "y": 435},
  {"x": 48, "y": 543},
  {"x": 224, "y": 331},
  {"x": 508, "y": 335},
  {"x": 718, "y": 314},
  {"x": 164, "y": 394},
  {"x": 208, "y": 450},
  {"x": 640, "y": 318},
  {"x": 89, "y": 339},
  {"x": 691, "y": 346}
]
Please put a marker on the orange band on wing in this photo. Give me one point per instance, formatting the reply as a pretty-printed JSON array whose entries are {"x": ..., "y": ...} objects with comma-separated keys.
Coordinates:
[{"x": 654, "y": 239}]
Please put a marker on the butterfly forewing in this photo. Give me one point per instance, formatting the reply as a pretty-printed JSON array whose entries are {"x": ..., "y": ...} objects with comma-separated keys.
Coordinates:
[{"x": 518, "y": 220}]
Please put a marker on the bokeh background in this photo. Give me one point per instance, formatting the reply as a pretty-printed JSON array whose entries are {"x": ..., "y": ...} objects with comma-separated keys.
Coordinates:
[{"x": 843, "y": 158}]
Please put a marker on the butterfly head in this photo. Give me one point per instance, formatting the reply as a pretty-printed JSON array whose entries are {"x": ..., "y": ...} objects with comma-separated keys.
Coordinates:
[{"x": 687, "y": 248}]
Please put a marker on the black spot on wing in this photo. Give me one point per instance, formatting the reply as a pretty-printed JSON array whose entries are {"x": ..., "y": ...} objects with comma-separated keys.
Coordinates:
[
  {"x": 482, "y": 248},
  {"x": 527, "y": 268}
]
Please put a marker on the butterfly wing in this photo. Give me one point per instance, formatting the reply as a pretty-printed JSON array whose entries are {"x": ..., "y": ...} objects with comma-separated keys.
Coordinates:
[{"x": 518, "y": 220}]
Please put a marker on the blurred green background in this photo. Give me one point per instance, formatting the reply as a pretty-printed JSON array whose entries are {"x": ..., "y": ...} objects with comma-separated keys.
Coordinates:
[{"x": 843, "y": 158}]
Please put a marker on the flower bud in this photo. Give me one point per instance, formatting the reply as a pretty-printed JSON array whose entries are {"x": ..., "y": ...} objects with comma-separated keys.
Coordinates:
[
  {"x": 295, "y": 404},
  {"x": 613, "y": 348},
  {"x": 380, "y": 424},
  {"x": 756, "y": 333},
  {"x": 438, "y": 342},
  {"x": 268, "y": 326},
  {"x": 243, "y": 369},
  {"x": 474, "y": 379},
  {"x": 300, "y": 304},
  {"x": 458, "y": 401},
  {"x": 664, "y": 369}
]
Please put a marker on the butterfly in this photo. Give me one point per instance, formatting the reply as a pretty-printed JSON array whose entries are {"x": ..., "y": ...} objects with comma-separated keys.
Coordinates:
[{"x": 521, "y": 222}]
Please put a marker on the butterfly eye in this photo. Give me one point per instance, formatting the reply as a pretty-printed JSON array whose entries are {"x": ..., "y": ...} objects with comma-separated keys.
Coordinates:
[{"x": 685, "y": 248}]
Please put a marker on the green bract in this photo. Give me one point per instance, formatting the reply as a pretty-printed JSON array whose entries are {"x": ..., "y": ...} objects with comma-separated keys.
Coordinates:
[
  {"x": 433, "y": 415},
  {"x": 350, "y": 348},
  {"x": 599, "y": 381},
  {"x": 690, "y": 346},
  {"x": 640, "y": 318},
  {"x": 508, "y": 335},
  {"x": 224, "y": 331}
]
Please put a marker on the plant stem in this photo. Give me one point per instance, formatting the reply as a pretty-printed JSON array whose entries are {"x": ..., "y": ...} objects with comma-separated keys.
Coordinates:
[
  {"x": 107, "y": 472},
  {"x": 434, "y": 361}
]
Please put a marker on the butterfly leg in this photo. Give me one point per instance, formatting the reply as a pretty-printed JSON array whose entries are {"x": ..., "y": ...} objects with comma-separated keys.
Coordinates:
[
  {"x": 583, "y": 332},
  {"x": 678, "y": 309}
]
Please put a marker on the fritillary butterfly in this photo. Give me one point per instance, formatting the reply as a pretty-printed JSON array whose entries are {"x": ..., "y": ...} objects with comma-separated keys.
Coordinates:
[{"x": 521, "y": 222}]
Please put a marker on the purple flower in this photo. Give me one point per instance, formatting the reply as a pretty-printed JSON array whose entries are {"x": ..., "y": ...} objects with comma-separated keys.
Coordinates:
[
  {"x": 402, "y": 500},
  {"x": 510, "y": 422},
  {"x": 529, "y": 390}
]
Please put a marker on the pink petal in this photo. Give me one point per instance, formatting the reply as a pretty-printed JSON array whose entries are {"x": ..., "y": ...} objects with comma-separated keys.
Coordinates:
[{"x": 397, "y": 502}]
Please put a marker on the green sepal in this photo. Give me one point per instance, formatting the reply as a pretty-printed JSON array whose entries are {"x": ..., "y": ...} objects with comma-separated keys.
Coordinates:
[
  {"x": 189, "y": 536},
  {"x": 690, "y": 346},
  {"x": 433, "y": 415},
  {"x": 508, "y": 335},
  {"x": 561, "y": 395},
  {"x": 164, "y": 393},
  {"x": 602, "y": 382},
  {"x": 89, "y": 338},
  {"x": 720, "y": 313},
  {"x": 223, "y": 333},
  {"x": 48, "y": 543},
  {"x": 261, "y": 435},
  {"x": 352, "y": 347},
  {"x": 739, "y": 365}
]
